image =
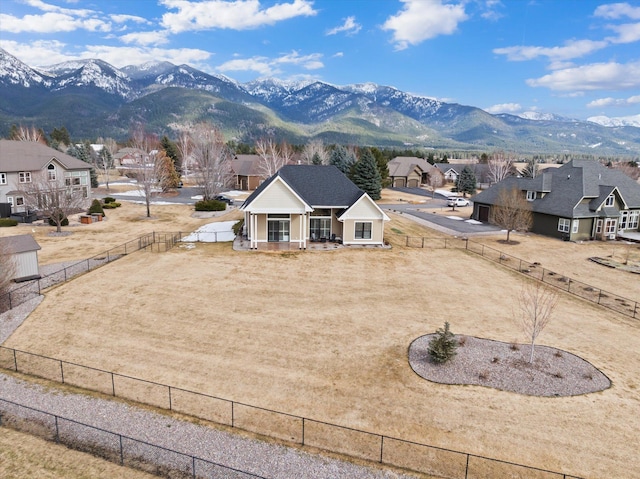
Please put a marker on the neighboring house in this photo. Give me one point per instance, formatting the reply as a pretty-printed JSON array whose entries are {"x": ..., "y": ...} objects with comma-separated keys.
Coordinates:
[
  {"x": 410, "y": 171},
  {"x": 580, "y": 200},
  {"x": 246, "y": 172},
  {"x": 22, "y": 250},
  {"x": 21, "y": 162},
  {"x": 130, "y": 157},
  {"x": 303, "y": 203},
  {"x": 451, "y": 172}
]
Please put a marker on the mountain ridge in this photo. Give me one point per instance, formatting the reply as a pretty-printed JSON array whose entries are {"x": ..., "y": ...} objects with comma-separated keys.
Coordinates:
[{"x": 358, "y": 113}]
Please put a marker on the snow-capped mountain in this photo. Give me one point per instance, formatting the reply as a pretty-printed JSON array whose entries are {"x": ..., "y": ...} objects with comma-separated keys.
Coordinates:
[
  {"x": 633, "y": 120},
  {"x": 539, "y": 116},
  {"x": 92, "y": 98}
]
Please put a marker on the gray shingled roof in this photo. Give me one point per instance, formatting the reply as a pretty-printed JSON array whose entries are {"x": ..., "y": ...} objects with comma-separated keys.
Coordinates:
[
  {"x": 32, "y": 156},
  {"x": 246, "y": 165},
  {"x": 568, "y": 186},
  {"x": 317, "y": 185},
  {"x": 404, "y": 165},
  {"x": 18, "y": 244}
]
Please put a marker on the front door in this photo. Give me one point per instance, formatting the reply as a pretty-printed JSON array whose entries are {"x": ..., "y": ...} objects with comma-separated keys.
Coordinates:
[
  {"x": 278, "y": 231},
  {"x": 610, "y": 228}
]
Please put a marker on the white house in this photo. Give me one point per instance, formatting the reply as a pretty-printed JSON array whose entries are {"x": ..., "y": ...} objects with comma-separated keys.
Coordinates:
[{"x": 21, "y": 252}]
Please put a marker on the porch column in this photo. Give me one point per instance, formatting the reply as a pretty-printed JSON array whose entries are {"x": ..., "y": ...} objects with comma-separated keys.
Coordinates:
[
  {"x": 254, "y": 227},
  {"x": 303, "y": 226}
]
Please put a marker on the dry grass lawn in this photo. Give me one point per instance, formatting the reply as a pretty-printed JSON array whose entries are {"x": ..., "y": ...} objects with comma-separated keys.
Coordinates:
[
  {"x": 23, "y": 455},
  {"x": 325, "y": 335}
]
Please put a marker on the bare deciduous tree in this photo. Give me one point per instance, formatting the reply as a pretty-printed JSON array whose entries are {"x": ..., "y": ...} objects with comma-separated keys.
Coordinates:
[
  {"x": 500, "y": 166},
  {"x": 53, "y": 198},
  {"x": 512, "y": 211},
  {"x": 212, "y": 160},
  {"x": 435, "y": 180},
  {"x": 536, "y": 305},
  {"x": 315, "y": 148},
  {"x": 104, "y": 160},
  {"x": 147, "y": 173},
  {"x": 185, "y": 146},
  {"x": 24, "y": 133},
  {"x": 272, "y": 157},
  {"x": 631, "y": 169}
]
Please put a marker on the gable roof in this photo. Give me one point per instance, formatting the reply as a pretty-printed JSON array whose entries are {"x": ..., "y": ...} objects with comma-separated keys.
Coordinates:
[
  {"x": 316, "y": 185},
  {"x": 404, "y": 165},
  {"x": 18, "y": 244},
  {"x": 566, "y": 188},
  {"x": 32, "y": 156},
  {"x": 246, "y": 165}
]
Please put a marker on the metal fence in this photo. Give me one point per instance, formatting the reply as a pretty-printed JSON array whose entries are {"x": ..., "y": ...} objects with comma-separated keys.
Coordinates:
[
  {"x": 112, "y": 446},
  {"x": 599, "y": 296},
  {"x": 152, "y": 241},
  {"x": 280, "y": 425}
]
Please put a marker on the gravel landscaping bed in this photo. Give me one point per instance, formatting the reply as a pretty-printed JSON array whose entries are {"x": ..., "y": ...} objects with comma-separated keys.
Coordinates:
[{"x": 505, "y": 366}]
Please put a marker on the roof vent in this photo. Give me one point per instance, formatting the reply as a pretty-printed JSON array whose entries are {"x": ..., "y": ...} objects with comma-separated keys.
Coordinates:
[{"x": 568, "y": 177}]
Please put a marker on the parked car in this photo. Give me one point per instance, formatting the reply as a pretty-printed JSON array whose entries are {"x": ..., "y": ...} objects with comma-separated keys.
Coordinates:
[
  {"x": 458, "y": 201},
  {"x": 228, "y": 201}
]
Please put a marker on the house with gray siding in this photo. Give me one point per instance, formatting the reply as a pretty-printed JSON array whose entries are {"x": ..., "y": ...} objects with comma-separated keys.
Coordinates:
[
  {"x": 24, "y": 162},
  {"x": 581, "y": 200},
  {"x": 307, "y": 203}
]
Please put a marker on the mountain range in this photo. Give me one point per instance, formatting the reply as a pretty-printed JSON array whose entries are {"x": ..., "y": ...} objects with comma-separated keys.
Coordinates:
[{"x": 92, "y": 98}]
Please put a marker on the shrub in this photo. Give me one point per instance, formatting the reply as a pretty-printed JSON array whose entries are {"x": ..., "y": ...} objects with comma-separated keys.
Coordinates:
[
  {"x": 96, "y": 208},
  {"x": 5, "y": 222},
  {"x": 59, "y": 215},
  {"x": 108, "y": 199},
  {"x": 210, "y": 205},
  {"x": 109, "y": 206},
  {"x": 237, "y": 227},
  {"x": 443, "y": 346}
]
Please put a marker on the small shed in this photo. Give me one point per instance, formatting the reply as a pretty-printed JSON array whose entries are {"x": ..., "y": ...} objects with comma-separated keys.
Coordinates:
[{"x": 22, "y": 251}]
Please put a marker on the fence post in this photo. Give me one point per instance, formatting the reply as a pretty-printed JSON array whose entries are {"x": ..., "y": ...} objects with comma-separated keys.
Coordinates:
[
  {"x": 15, "y": 360},
  {"x": 121, "y": 453},
  {"x": 193, "y": 466},
  {"x": 57, "y": 432},
  {"x": 169, "y": 397},
  {"x": 113, "y": 386},
  {"x": 88, "y": 265},
  {"x": 39, "y": 290},
  {"x": 466, "y": 470},
  {"x": 381, "y": 448},
  {"x": 65, "y": 274},
  {"x": 61, "y": 372}
]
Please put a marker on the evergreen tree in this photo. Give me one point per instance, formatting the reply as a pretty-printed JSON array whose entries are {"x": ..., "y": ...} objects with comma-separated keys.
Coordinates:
[
  {"x": 431, "y": 158},
  {"x": 366, "y": 175},
  {"x": 315, "y": 159},
  {"x": 61, "y": 136},
  {"x": 443, "y": 346},
  {"x": 466, "y": 182},
  {"x": 338, "y": 159},
  {"x": 381, "y": 161},
  {"x": 171, "y": 150}
]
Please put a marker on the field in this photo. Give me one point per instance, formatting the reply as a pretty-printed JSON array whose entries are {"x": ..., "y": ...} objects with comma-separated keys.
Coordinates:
[{"x": 325, "y": 335}]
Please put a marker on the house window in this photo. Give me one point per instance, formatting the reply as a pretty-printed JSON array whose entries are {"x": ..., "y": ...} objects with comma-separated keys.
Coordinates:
[
  {"x": 3, "y": 178},
  {"x": 51, "y": 173},
  {"x": 610, "y": 201},
  {"x": 629, "y": 220},
  {"x": 363, "y": 230},
  {"x": 598, "y": 226},
  {"x": 531, "y": 195},
  {"x": 320, "y": 228},
  {"x": 610, "y": 226},
  {"x": 19, "y": 201},
  {"x": 24, "y": 177},
  {"x": 564, "y": 224},
  {"x": 278, "y": 228},
  {"x": 10, "y": 200},
  {"x": 574, "y": 226}
]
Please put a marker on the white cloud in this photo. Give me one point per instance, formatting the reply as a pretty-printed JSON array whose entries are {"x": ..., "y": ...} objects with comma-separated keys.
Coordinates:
[
  {"x": 51, "y": 22},
  {"x": 571, "y": 49},
  {"x": 623, "y": 102},
  {"x": 627, "y": 33},
  {"x": 350, "y": 27},
  {"x": 272, "y": 66},
  {"x": 236, "y": 15},
  {"x": 146, "y": 38},
  {"x": 338, "y": 55},
  {"x": 421, "y": 20},
  {"x": 44, "y": 53},
  {"x": 504, "y": 108},
  {"x": 596, "y": 76},
  {"x": 617, "y": 10},
  {"x": 128, "y": 18}
]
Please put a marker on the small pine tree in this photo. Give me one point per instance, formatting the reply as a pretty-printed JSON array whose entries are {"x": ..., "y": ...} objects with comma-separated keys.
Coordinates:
[
  {"x": 466, "y": 181},
  {"x": 366, "y": 175},
  {"x": 338, "y": 158},
  {"x": 443, "y": 346},
  {"x": 315, "y": 159},
  {"x": 96, "y": 208}
]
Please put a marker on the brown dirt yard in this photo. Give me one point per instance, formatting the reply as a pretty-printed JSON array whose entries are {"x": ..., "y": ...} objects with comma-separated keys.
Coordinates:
[{"x": 325, "y": 335}]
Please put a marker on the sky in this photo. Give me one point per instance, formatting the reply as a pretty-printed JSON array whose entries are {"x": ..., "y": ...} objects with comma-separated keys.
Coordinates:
[{"x": 574, "y": 58}]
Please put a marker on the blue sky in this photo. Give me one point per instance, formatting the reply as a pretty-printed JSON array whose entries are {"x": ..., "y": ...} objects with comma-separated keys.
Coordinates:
[{"x": 576, "y": 58}]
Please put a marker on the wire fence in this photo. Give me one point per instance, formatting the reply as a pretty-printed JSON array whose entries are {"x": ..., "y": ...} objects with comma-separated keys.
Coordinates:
[
  {"x": 295, "y": 429},
  {"x": 113, "y": 446},
  {"x": 607, "y": 299},
  {"x": 152, "y": 241}
]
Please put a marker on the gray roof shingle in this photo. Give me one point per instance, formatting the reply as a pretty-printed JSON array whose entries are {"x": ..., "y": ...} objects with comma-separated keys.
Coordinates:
[
  {"x": 32, "y": 156},
  {"x": 18, "y": 244}
]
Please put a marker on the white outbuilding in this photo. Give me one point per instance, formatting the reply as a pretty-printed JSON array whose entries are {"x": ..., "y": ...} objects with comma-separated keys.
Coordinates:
[{"x": 21, "y": 252}]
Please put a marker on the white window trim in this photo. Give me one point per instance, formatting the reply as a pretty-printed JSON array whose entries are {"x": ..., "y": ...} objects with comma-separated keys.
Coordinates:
[
  {"x": 610, "y": 201},
  {"x": 564, "y": 224},
  {"x": 355, "y": 229},
  {"x": 574, "y": 226},
  {"x": 24, "y": 177},
  {"x": 3, "y": 178},
  {"x": 531, "y": 195}
]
